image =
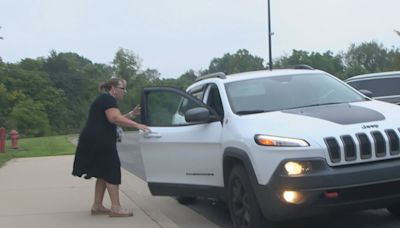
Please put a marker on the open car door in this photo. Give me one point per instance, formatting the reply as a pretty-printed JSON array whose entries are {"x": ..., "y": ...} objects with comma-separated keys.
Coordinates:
[{"x": 182, "y": 153}]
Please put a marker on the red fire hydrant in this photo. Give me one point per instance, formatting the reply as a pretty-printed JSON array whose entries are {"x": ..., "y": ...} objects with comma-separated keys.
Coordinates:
[
  {"x": 2, "y": 140},
  {"x": 14, "y": 139}
]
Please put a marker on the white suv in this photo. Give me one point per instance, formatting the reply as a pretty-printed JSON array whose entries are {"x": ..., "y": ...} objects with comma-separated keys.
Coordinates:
[{"x": 273, "y": 144}]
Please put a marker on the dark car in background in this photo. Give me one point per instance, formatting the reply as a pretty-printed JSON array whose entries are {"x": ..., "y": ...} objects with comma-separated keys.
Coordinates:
[{"x": 380, "y": 86}]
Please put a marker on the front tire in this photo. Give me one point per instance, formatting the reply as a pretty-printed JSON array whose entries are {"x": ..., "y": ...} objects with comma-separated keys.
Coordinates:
[{"x": 243, "y": 206}]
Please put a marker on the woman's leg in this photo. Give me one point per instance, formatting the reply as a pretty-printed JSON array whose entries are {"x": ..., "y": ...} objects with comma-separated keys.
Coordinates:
[
  {"x": 116, "y": 209},
  {"x": 99, "y": 190},
  {"x": 113, "y": 191}
]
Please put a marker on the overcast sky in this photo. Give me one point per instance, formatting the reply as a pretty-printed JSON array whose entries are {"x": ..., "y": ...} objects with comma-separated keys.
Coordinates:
[{"x": 174, "y": 36}]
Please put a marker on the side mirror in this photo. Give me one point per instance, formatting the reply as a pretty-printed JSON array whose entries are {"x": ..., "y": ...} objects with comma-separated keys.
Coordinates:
[
  {"x": 199, "y": 114},
  {"x": 366, "y": 92}
]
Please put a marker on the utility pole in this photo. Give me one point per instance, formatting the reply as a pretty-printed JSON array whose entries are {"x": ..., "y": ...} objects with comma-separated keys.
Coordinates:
[{"x": 269, "y": 36}]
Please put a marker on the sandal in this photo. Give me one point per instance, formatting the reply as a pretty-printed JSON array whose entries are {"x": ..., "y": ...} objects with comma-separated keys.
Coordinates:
[
  {"x": 121, "y": 212},
  {"x": 99, "y": 211}
]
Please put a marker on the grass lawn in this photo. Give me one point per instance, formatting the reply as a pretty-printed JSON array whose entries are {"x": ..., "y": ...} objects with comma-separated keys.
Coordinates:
[{"x": 41, "y": 146}]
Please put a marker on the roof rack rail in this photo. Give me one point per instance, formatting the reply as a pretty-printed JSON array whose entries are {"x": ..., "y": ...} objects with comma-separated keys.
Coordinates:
[
  {"x": 300, "y": 67},
  {"x": 221, "y": 75}
]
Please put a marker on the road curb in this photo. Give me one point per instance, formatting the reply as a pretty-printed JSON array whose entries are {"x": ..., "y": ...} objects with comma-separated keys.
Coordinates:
[{"x": 137, "y": 191}]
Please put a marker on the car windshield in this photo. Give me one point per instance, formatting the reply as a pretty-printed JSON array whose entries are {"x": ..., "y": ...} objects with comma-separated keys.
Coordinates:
[{"x": 287, "y": 92}]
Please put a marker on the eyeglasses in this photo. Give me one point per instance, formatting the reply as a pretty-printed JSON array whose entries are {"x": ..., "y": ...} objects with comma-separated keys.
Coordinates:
[{"x": 123, "y": 88}]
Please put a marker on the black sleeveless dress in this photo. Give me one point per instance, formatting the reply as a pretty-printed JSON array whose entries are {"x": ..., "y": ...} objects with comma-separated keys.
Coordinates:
[{"x": 96, "y": 154}]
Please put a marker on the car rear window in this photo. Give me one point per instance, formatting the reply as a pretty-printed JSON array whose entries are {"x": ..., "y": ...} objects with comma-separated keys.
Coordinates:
[{"x": 379, "y": 87}]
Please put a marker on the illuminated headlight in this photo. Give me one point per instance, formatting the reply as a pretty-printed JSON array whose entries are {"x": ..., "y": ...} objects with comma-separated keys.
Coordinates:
[
  {"x": 293, "y": 197},
  {"x": 268, "y": 140},
  {"x": 297, "y": 168}
]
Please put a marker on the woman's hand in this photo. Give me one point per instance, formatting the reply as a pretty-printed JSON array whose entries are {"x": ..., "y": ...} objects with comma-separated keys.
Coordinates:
[
  {"x": 143, "y": 127},
  {"x": 114, "y": 116},
  {"x": 135, "y": 111}
]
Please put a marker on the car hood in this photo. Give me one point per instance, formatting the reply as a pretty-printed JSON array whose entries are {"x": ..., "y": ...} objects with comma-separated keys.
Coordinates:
[{"x": 315, "y": 123}]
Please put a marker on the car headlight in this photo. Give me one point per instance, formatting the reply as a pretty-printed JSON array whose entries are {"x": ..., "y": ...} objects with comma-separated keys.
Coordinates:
[
  {"x": 295, "y": 168},
  {"x": 293, "y": 197},
  {"x": 269, "y": 140}
]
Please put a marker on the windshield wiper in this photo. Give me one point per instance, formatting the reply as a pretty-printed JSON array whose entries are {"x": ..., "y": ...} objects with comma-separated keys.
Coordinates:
[
  {"x": 244, "y": 112},
  {"x": 320, "y": 104},
  {"x": 330, "y": 103}
]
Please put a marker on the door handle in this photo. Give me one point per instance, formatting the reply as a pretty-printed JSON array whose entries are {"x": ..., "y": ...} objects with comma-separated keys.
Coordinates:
[{"x": 152, "y": 135}]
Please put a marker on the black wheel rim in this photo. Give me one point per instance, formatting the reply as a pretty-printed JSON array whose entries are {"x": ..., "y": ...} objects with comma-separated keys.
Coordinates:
[{"x": 240, "y": 204}]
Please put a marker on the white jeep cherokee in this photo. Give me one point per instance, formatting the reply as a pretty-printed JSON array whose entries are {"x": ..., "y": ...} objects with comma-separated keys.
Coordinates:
[{"x": 273, "y": 144}]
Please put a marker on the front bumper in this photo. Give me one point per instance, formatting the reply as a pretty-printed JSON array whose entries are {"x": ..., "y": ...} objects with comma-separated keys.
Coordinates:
[{"x": 357, "y": 187}]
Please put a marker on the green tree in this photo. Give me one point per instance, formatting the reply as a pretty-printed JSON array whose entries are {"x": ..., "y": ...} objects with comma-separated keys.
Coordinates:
[
  {"x": 126, "y": 64},
  {"x": 186, "y": 79},
  {"x": 32, "y": 64},
  {"x": 297, "y": 57},
  {"x": 150, "y": 74},
  {"x": 30, "y": 118},
  {"x": 326, "y": 61},
  {"x": 97, "y": 72},
  {"x": 68, "y": 62},
  {"x": 241, "y": 61},
  {"x": 8, "y": 99},
  {"x": 394, "y": 59},
  {"x": 368, "y": 57},
  {"x": 68, "y": 72},
  {"x": 20, "y": 84}
]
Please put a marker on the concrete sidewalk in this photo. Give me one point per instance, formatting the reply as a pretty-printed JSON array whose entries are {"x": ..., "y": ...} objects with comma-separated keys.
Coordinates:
[{"x": 41, "y": 192}]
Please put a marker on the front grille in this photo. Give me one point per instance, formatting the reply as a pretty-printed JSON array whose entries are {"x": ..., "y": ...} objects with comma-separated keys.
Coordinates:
[
  {"x": 393, "y": 142},
  {"x": 333, "y": 149},
  {"x": 380, "y": 144},
  {"x": 363, "y": 147},
  {"x": 349, "y": 148}
]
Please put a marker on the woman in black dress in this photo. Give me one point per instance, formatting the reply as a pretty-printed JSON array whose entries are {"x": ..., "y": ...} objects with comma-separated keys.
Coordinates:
[{"x": 96, "y": 154}]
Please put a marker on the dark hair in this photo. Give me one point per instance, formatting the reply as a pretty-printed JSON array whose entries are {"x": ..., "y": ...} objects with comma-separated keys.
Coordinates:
[{"x": 113, "y": 82}]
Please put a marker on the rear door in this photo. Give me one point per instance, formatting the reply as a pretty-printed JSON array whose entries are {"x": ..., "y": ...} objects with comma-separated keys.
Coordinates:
[{"x": 180, "y": 158}]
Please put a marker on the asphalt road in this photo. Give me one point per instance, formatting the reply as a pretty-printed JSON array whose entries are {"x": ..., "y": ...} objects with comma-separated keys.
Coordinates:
[{"x": 217, "y": 212}]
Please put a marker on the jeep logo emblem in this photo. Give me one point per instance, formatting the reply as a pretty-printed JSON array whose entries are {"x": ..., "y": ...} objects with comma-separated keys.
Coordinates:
[{"x": 370, "y": 126}]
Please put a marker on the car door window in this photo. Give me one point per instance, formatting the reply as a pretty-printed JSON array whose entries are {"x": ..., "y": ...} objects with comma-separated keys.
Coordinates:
[
  {"x": 214, "y": 100},
  {"x": 168, "y": 107},
  {"x": 197, "y": 92}
]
